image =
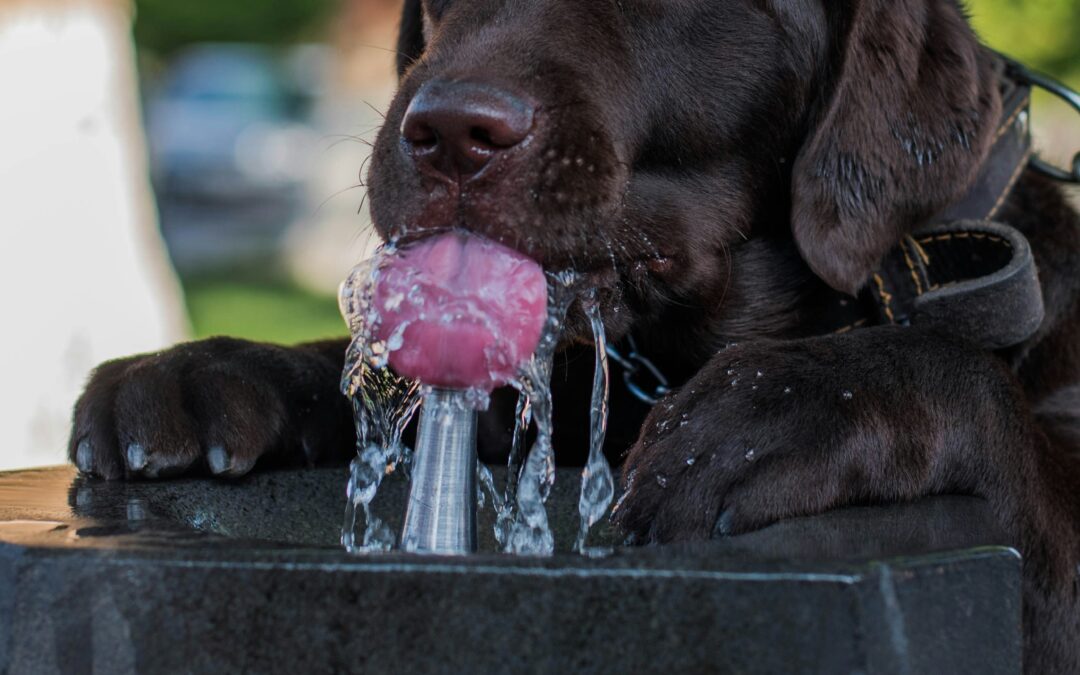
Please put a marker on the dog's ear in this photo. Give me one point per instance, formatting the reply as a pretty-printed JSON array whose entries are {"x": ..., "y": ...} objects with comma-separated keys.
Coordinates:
[
  {"x": 410, "y": 44},
  {"x": 909, "y": 110}
]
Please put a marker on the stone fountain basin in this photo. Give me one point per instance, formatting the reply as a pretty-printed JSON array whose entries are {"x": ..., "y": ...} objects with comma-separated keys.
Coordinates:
[{"x": 202, "y": 576}]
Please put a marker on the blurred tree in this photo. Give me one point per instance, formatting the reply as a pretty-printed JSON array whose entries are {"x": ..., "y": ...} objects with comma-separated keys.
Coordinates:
[
  {"x": 163, "y": 26},
  {"x": 1042, "y": 33}
]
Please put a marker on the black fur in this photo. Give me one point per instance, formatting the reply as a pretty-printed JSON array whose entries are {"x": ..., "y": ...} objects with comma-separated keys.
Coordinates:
[{"x": 715, "y": 167}]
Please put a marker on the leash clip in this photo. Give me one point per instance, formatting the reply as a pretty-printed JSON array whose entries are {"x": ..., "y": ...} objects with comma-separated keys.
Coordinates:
[{"x": 634, "y": 365}]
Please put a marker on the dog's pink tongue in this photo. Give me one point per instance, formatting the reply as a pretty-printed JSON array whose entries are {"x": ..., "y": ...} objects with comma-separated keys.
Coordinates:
[{"x": 459, "y": 311}]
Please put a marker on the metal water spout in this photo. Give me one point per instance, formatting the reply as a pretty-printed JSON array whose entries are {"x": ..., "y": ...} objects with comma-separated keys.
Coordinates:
[{"x": 440, "y": 517}]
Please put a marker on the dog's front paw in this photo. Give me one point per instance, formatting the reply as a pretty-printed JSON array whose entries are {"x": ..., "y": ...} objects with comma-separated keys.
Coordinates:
[
  {"x": 764, "y": 432},
  {"x": 219, "y": 404}
]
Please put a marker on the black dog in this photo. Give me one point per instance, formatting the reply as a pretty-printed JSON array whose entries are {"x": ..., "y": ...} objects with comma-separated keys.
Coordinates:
[{"x": 719, "y": 168}]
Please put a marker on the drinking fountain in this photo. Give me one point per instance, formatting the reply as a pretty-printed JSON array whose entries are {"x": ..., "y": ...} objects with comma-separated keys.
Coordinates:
[{"x": 124, "y": 577}]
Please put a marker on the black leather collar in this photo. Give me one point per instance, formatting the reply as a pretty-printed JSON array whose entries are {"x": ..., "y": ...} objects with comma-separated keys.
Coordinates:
[
  {"x": 1008, "y": 157},
  {"x": 966, "y": 274}
]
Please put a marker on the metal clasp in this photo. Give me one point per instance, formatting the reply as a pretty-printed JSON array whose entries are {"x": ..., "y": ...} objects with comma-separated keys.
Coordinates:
[
  {"x": 635, "y": 365},
  {"x": 1033, "y": 78}
]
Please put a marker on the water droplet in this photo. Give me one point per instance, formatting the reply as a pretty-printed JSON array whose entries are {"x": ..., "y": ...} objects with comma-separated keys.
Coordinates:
[
  {"x": 397, "y": 338},
  {"x": 661, "y": 480},
  {"x": 847, "y": 394},
  {"x": 750, "y": 454},
  {"x": 626, "y": 493},
  {"x": 393, "y": 302},
  {"x": 760, "y": 374},
  {"x": 787, "y": 390},
  {"x": 690, "y": 461}
]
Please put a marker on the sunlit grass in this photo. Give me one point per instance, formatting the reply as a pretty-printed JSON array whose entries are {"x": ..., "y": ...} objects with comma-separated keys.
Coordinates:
[
  {"x": 1041, "y": 33},
  {"x": 264, "y": 312}
]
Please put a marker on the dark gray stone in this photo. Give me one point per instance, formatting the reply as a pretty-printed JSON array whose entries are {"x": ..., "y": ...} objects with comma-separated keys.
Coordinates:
[{"x": 201, "y": 576}]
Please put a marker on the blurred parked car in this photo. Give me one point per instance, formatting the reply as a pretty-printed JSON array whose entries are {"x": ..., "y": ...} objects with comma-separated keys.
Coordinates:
[{"x": 230, "y": 147}]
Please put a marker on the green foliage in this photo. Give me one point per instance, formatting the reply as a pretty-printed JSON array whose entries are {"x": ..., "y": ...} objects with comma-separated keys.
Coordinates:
[
  {"x": 163, "y": 26},
  {"x": 260, "y": 311},
  {"x": 1042, "y": 33}
]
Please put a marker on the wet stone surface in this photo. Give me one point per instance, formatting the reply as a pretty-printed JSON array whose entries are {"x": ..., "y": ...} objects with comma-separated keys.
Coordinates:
[{"x": 204, "y": 576}]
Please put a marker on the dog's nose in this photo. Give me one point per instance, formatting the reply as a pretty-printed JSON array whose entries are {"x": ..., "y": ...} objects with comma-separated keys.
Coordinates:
[{"x": 457, "y": 127}]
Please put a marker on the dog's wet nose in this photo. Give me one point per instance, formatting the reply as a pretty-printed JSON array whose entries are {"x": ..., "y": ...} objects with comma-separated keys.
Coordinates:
[{"x": 457, "y": 127}]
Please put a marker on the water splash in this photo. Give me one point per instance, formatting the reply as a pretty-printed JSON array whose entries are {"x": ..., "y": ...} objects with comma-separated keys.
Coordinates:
[
  {"x": 597, "y": 483},
  {"x": 529, "y": 532},
  {"x": 365, "y": 475},
  {"x": 383, "y": 405},
  {"x": 504, "y": 512}
]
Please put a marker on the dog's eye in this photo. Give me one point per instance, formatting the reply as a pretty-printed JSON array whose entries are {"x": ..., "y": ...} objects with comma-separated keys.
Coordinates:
[{"x": 436, "y": 8}]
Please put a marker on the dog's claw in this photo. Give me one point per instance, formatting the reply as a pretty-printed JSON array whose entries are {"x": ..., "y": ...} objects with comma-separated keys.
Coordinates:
[
  {"x": 218, "y": 460},
  {"x": 725, "y": 523},
  {"x": 136, "y": 457},
  {"x": 84, "y": 456}
]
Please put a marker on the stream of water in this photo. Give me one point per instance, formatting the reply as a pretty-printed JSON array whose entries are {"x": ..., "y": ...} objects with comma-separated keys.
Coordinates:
[
  {"x": 528, "y": 530},
  {"x": 597, "y": 483}
]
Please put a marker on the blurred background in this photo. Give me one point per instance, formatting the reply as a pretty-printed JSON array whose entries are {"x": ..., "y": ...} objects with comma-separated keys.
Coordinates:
[{"x": 174, "y": 170}]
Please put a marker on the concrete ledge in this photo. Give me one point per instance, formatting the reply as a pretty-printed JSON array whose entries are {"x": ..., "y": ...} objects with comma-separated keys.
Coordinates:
[{"x": 202, "y": 576}]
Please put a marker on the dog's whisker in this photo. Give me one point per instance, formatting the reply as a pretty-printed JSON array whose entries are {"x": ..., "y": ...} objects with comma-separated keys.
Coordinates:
[
  {"x": 361, "y": 141},
  {"x": 368, "y": 231},
  {"x": 390, "y": 50},
  {"x": 336, "y": 194},
  {"x": 360, "y": 171},
  {"x": 345, "y": 138},
  {"x": 378, "y": 112}
]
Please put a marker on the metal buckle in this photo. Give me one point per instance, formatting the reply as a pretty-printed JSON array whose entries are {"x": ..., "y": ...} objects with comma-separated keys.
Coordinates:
[
  {"x": 633, "y": 365},
  {"x": 1032, "y": 78}
]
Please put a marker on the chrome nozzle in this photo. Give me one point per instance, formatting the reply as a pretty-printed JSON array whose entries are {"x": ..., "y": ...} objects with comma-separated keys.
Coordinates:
[{"x": 441, "y": 514}]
